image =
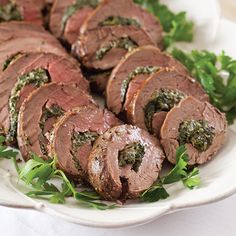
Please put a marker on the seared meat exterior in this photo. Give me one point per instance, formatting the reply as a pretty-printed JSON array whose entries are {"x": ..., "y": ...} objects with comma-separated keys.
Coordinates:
[
  {"x": 51, "y": 102},
  {"x": 124, "y": 12},
  {"x": 124, "y": 162},
  {"x": 198, "y": 125},
  {"x": 103, "y": 48},
  {"x": 73, "y": 137},
  {"x": 66, "y": 18},
  {"x": 27, "y": 73},
  {"x": 158, "y": 94},
  {"x": 132, "y": 70}
]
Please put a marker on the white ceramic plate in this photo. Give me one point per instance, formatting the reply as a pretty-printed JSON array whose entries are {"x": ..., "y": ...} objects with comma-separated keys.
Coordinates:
[{"x": 218, "y": 176}]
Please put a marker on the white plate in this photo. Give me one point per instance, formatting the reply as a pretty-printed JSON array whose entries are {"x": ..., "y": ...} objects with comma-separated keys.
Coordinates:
[{"x": 218, "y": 176}]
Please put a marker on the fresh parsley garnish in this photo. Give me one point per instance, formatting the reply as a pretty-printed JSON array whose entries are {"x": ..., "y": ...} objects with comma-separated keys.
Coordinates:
[
  {"x": 175, "y": 25},
  {"x": 38, "y": 174},
  {"x": 180, "y": 172},
  {"x": 217, "y": 74}
]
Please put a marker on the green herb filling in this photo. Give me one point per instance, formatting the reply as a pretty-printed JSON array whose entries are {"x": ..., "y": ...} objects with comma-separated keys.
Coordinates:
[
  {"x": 132, "y": 154},
  {"x": 36, "y": 77},
  {"x": 139, "y": 70},
  {"x": 199, "y": 133},
  {"x": 78, "y": 139},
  {"x": 9, "y": 12},
  {"x": 118, "y": 20},
  {"x": 162, "y": 100},
  {"x": 71, "y": 10},
  {"x": 11, "y": 60},
  {"x": 55, "y": 111},
  {"x": 125, "y": 43}
]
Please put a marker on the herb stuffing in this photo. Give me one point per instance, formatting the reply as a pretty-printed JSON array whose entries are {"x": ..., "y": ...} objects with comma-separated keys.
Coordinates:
[
  {"x": 137, "y": 71},
  {"x": 125, "y": 43},
  {"x": 37, "y": 78},
  {"x": 118, "y": 20},
  {"x": 11, "y": 60},
  {"x": 197, "y": 132},
  {"x": 54, "y": 111},
  {"x": 162, "y": 100},
  {"x": 9, "y": 12},
  {"x": 132, "y": 155},
  {"x": 71, "y": 10},
  {"x": 78, "y": 139}
]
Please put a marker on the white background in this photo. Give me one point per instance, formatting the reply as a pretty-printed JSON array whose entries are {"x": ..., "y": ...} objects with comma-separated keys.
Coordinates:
[{"x": 215, "y": 219}]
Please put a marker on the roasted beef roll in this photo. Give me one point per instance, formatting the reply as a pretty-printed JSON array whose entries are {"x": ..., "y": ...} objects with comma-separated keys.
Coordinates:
[
  {"x": 74, "y": 135},
  {"x": 26, "y": 74},
  {"x": 199, "y": 126},
  {"x": 41, "y": 110},
  {"x": 124, "y": 162}
]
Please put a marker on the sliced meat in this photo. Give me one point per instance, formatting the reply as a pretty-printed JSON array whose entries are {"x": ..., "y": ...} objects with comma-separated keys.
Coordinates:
[
  {"x": 132, "y": 70},
  {"x": 14, "y": 49},
  {"x": 103, "y": 48},
  {"x": 124, "y": 162},
  {"x": 22, "y": 29},
  {"x": 198, "y": 125},
  {"x": 124, "y": 12},
  {"x": 74, "y": 135},
  {"x": 67, "y": 17},
  {"x": 27, "y": 10},
  {"x": 51, "y": 102},
  {"x": 27, "y": 73},
  {"x": 158, "y": 94}
]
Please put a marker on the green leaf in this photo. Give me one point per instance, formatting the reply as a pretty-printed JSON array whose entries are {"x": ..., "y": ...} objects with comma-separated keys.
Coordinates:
[
  {"x": 192, "y": 180},
  {"x": 154, "y": 194}
]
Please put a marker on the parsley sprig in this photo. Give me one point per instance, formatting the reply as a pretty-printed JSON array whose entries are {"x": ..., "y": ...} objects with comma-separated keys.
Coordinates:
[
  {"x": 38, "y": 174},
  {"x": 217, "y": 74},
  {"x": 176, "y": 26},
  {"x": 180, "y": 172}
]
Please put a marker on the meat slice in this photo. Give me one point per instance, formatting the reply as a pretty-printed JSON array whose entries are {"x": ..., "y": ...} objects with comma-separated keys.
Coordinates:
[
  {"x": 21, "y": 29},
  {"x": 67, "y": 17},
  {"x": 19, "y": 80},
  {"x": 27, "y": 10},
  {"x": 41, "y": 110},
  {"x": 158, "y": 94},
  {"x": 124, "y": 162},
  {"x": 132, "y": 70},
  {"x": 204, "y": 126},
  {"x": 124, "y": 12},
  {"x": 14, "y": 49},
  {"x": 103, "y": 48},
  {"x": 73, "y": 137}
]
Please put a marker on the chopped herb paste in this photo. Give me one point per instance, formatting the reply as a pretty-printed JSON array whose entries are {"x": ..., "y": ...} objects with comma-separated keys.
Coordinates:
[
  {"x": 132, "y": 155},
  {"x": 125, "y": 43},
  {"x": 78, "y": 139},
  {"x": 198, "y": 133},
  {"x": 9, "y": 12},
  {"x": 71, "y": 10},
  {"x": 36, "y": 77},
  {"x": 118, "y": 20},
  {"x": 10, "y": 60},
  {"x": 132, "y": 75},
  {"x": 55, "y": 111},
  {"x": 162, "y": 100}
]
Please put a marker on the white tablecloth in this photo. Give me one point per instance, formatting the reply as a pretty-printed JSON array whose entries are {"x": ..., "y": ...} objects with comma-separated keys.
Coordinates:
[{"x": 215, "y": 219}]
